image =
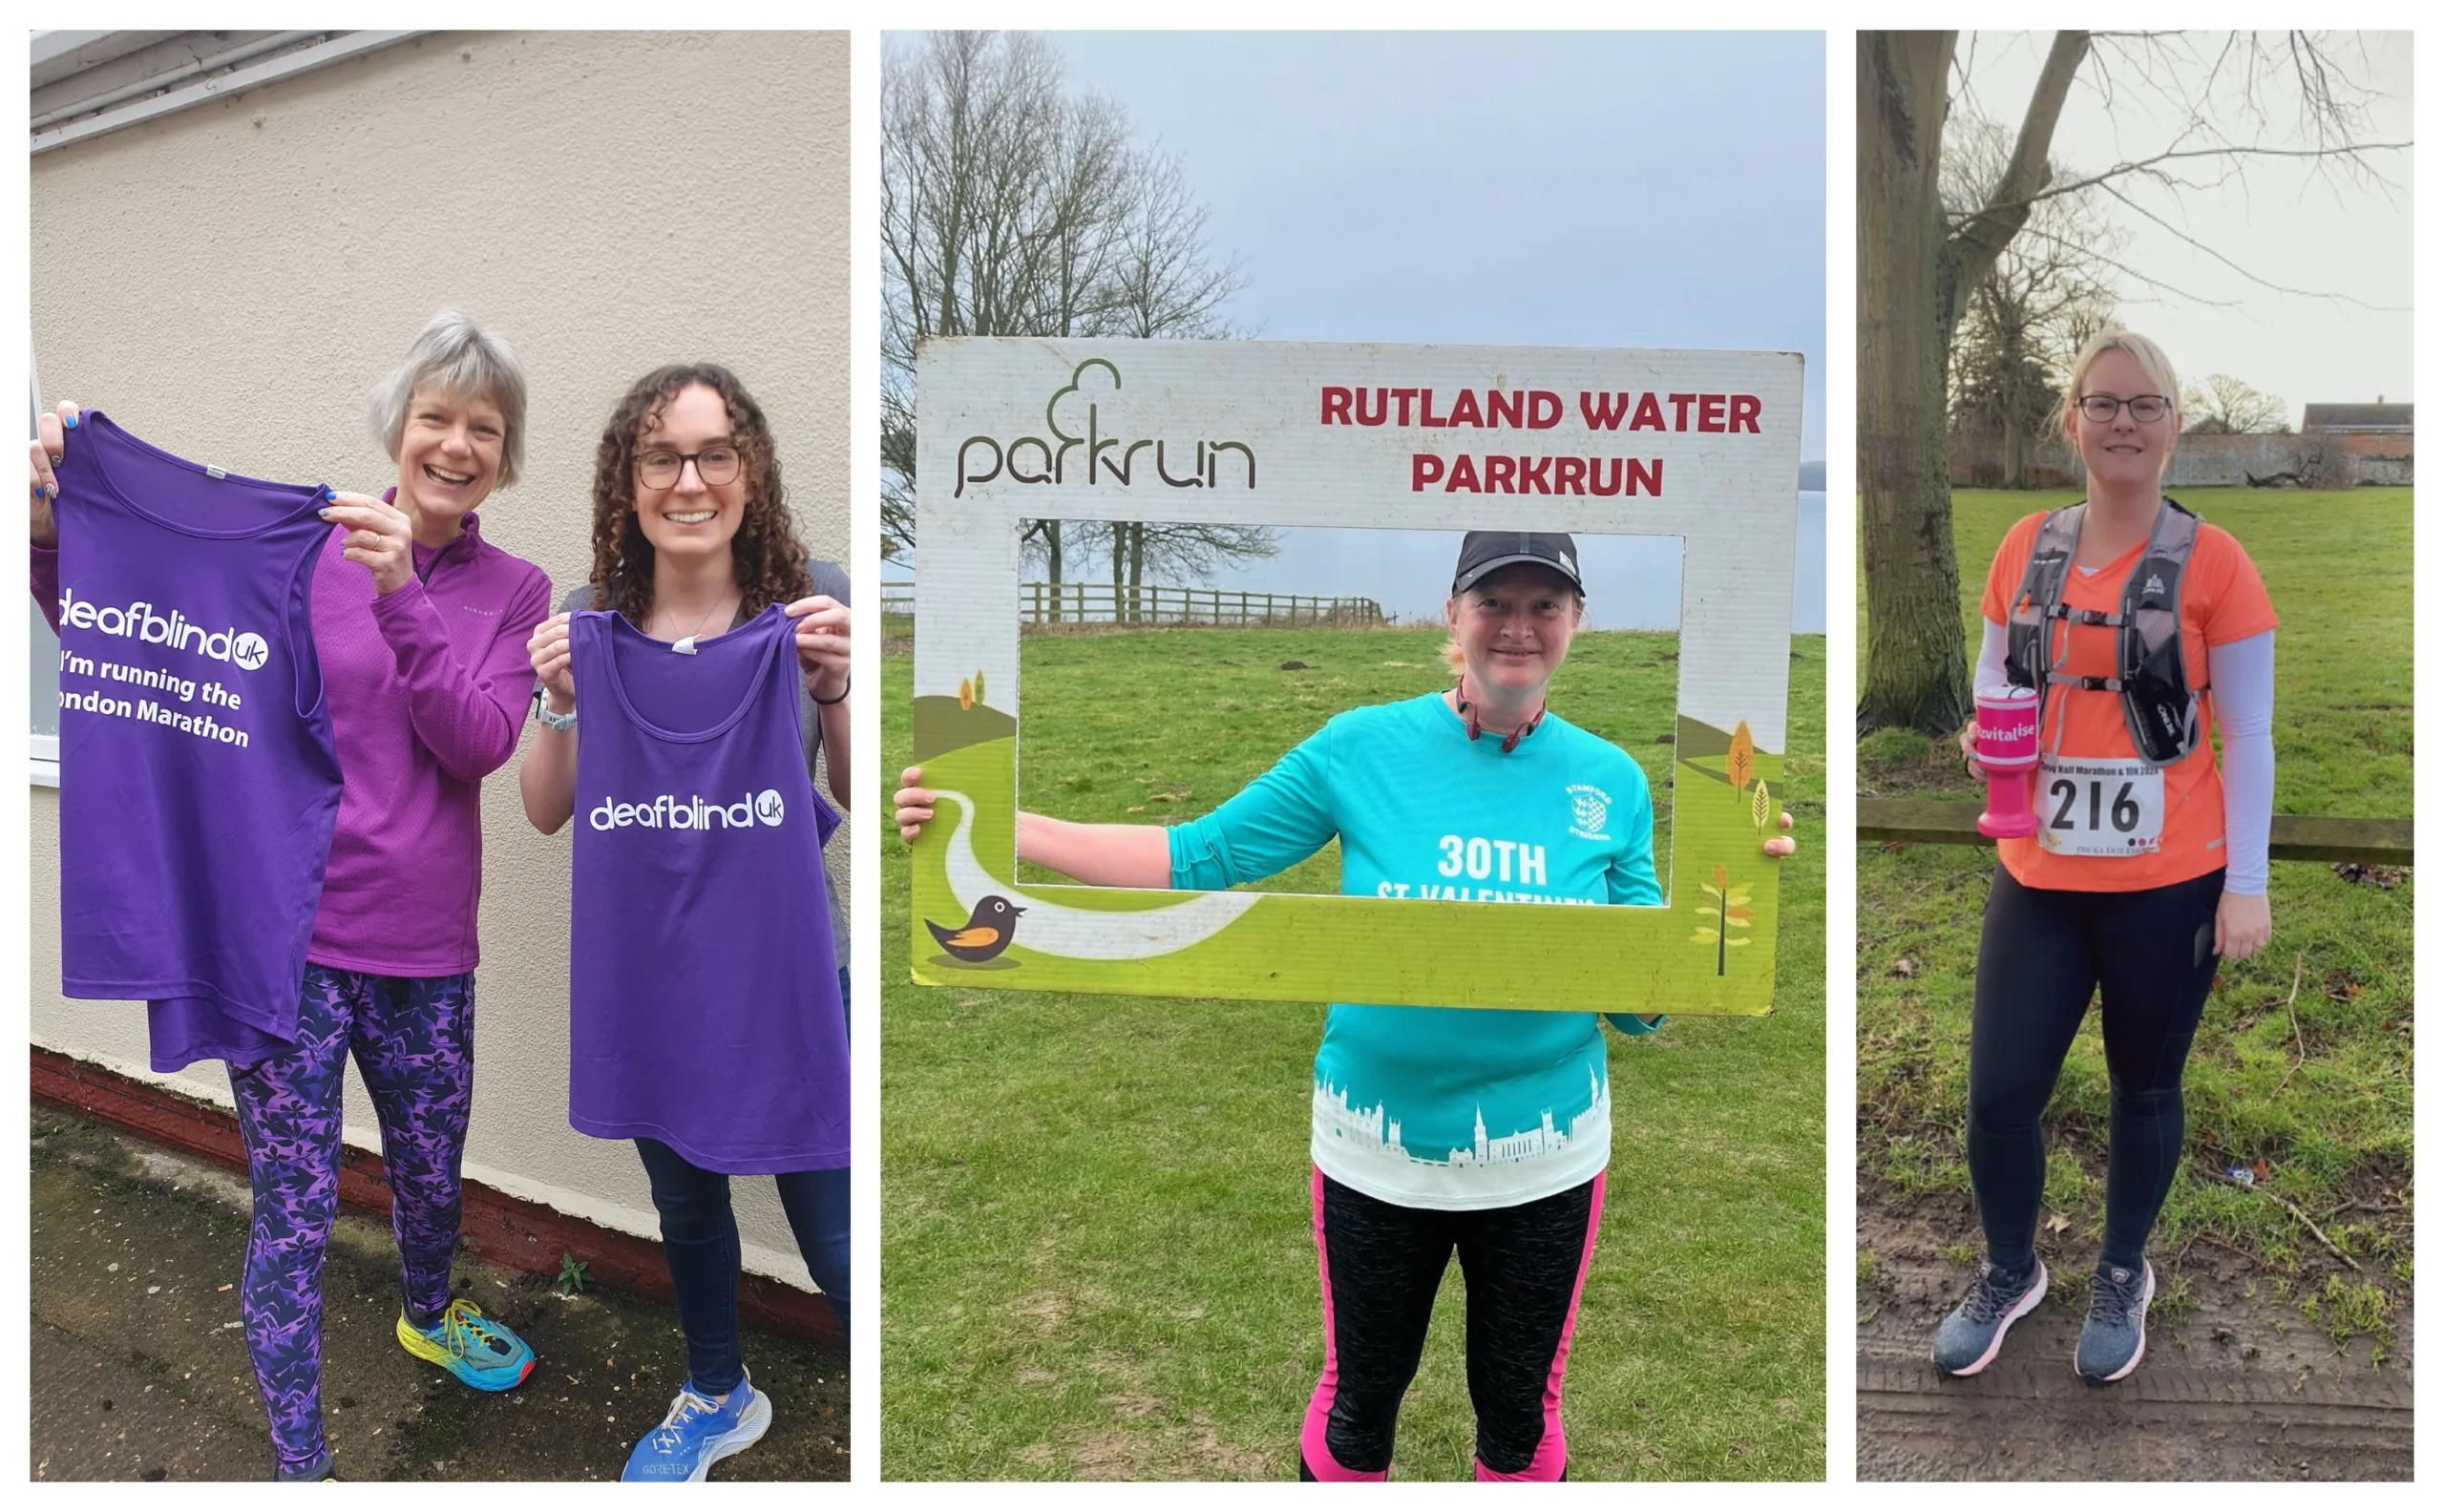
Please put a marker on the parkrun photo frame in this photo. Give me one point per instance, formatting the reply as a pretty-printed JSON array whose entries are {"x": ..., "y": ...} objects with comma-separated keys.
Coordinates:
[{"x": 1699, "y": 444}]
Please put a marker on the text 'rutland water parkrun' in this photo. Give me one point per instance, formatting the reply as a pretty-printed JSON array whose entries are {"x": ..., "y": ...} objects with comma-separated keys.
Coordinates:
[{"x": 1045, "y": 459}]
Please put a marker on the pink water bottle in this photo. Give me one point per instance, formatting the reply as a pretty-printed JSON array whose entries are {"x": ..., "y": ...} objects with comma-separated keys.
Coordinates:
[{"x": 2007, "y": 751}]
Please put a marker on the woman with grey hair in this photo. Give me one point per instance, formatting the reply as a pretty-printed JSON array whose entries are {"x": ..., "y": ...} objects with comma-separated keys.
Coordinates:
[{"x": 421, "y": 626}]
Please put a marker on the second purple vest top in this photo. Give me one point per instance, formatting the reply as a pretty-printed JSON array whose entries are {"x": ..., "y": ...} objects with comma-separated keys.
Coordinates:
[
  {"x": 704, "y": 996},
  {"x": 197, "y": 779}
]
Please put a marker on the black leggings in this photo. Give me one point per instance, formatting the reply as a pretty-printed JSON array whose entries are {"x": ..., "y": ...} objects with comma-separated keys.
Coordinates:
[
  {"x": 2044, "y": 955},
  {"x": 1381, "y": 1267}
]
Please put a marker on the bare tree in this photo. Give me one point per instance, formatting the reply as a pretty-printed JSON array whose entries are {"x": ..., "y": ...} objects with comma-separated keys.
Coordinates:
[
  {"x": 2024, "y": 321},
  {"x": 2226, "y": 405},
  {"x": 1013, "y": 208},
  {"x": 1918, "y": 266},
  {"x": 1185, "y": 552}
]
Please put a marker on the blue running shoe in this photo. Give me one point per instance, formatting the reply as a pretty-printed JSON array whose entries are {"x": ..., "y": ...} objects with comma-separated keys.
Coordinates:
[
  {"x": 477, "y": 1349},
  {"x": 698, "y": 1432},
  {"x": 1970, "y": 1340},
  {"x": 2114, "y": 1339}
]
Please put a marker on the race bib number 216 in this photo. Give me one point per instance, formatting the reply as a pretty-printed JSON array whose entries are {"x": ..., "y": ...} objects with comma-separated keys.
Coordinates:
[{"x": 2097, "y": 807}]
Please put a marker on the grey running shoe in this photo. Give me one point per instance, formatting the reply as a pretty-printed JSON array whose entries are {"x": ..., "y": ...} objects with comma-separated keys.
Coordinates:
[
  {"x": 1973, "y": 1336},
  {"x": 2115, "y": 1338}
]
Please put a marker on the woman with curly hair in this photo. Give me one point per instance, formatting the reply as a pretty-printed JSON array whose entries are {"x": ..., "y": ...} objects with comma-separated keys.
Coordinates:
[{"x": 693, "y": 540}]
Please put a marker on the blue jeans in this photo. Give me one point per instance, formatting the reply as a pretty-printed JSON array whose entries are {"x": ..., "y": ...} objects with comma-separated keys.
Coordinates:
[{"x": 699, "y": 1241}]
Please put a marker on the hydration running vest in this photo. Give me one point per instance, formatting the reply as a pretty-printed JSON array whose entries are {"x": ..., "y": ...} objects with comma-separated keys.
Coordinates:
[{"x": 2156, "y": 702}]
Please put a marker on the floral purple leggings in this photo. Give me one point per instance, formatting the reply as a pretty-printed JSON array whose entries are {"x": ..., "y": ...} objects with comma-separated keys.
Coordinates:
[{"x": 414, "y": 1042}]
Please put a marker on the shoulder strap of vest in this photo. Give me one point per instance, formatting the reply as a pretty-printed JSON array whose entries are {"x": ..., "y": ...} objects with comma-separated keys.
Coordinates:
[
  {"x": 2034, "y": 607},
  {"x": 2157, "y": 701}
]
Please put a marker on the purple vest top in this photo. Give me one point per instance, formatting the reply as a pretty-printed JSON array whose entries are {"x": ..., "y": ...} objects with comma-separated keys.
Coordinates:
[
  {"x": 197, "y": 779},
  {"x": 704, "y": 996}
]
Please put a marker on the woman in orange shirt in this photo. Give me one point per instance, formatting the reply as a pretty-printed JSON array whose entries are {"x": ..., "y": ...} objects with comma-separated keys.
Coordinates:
[{"x": 2149, "y": 863}]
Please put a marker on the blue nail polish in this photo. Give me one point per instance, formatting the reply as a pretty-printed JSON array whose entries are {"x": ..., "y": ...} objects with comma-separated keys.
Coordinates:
[{"x": 71, "y": 421}]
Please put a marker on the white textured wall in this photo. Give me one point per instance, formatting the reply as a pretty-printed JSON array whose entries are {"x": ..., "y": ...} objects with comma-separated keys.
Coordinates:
[{"x": 228, "y": 281}]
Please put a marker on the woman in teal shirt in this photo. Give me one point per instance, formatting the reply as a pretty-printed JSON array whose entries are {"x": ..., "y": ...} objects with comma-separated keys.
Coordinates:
[{"x": 1480, "y": 1130}]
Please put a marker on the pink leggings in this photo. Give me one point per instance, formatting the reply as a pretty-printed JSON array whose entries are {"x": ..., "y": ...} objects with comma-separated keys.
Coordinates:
[{"x": 1381, "y": 1264}]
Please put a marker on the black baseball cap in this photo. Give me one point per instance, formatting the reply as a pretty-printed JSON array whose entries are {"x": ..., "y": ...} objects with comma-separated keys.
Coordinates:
[{"x": 1486, "y": 551}]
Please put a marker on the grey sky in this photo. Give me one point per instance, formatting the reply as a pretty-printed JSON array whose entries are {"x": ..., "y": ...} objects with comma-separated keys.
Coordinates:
[
  {"x": 2284, "y": 225},
  {"x": 1611, "y": 189}
]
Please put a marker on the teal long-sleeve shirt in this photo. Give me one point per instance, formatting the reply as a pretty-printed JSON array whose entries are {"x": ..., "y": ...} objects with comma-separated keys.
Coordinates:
[{"x": 1448, "y": 1107}]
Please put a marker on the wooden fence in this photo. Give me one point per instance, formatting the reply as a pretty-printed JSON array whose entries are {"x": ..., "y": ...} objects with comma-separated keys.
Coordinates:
[
  {"x": 2295, "y": 837},
  {"x": 1079, "y": 602}
]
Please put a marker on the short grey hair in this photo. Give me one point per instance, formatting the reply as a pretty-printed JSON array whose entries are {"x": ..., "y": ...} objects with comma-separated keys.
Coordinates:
[{"x": 464, "y": 361}]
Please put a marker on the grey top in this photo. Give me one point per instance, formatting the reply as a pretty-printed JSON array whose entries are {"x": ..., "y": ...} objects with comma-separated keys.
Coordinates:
[{"x": 828, "y": 578}]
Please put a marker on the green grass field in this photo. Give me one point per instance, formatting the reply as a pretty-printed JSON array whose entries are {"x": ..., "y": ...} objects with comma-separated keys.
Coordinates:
[
  {"x": 1097, "y": 1252},
  {"x": 2313, "y": 1094}
]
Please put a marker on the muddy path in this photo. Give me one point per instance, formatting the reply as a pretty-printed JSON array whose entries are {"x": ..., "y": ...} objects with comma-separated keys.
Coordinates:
[{"x": 2238, "y": 1387}]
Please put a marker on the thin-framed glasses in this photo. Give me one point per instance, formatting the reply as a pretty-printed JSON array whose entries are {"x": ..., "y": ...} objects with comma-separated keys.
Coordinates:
[
  {"x": 2145, "y": 408},
  {"x": 658, "y": 469}
]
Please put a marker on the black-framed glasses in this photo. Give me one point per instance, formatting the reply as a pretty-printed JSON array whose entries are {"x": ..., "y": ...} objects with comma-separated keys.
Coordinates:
[
  {"x": 658, "y": 469},
  {"x": 2145, "y": 408}
]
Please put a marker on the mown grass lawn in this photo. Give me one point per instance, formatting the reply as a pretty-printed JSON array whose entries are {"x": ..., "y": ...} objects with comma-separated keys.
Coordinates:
[
  {"x": 1097, "y": 1252},
  {"x": 2311, "y": 1096}
]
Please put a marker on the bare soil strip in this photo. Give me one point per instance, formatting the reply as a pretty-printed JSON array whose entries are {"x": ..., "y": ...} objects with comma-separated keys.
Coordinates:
[{"x": 2238, "y": 1387}]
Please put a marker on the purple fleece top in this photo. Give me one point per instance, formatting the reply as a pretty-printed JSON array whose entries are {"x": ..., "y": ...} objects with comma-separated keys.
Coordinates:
[{"x": 429, "y": 691}]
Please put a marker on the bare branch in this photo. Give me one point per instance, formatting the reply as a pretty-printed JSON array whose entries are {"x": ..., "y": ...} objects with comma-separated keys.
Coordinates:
[
  {"x": 2266, "y": 283},
  {"x": 1014, "y": 208},
  {"x": 1975, "y": 246}
]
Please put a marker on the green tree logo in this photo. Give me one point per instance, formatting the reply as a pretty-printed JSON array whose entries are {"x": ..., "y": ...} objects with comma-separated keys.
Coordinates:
[{"x": 1725, "y": 911}]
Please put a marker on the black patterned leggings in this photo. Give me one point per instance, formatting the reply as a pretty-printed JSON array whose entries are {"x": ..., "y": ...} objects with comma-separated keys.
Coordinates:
[{"x": 1381, "y": 1265}]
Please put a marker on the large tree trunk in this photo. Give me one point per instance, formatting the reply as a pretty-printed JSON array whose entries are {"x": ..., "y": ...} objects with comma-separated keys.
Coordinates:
[
  {"x": 1913, "y": 282},
  {"x": 1916, "y": 672}
]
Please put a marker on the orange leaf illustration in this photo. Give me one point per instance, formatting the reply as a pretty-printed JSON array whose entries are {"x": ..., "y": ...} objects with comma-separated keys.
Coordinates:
[
  {"x": 966, "y": 694},
  {"x": 1723, "y": 878},
  {"x": 1741, "y": 765}
]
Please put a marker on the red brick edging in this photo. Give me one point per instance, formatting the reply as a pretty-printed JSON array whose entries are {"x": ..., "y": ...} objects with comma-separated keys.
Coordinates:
[{"x": 502, "y": 1229}]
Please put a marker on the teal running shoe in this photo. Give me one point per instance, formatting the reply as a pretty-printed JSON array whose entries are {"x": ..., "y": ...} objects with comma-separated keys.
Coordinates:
[
  {"x": 478, "y": 1350},
  {"x": 1971, "y": 1338},
  {"x": 2114, "y": 1339},
  {"x": 698, "y": 1432}
]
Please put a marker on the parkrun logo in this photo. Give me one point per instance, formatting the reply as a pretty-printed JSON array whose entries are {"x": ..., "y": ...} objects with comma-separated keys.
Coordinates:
[
  {"x": 668, "y": 812},
  {"x": 141, "y": 622},
  {"x": 981, "y": 460}
]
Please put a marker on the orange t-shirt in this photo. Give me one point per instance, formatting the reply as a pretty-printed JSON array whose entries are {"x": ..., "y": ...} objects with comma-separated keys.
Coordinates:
[{"x": 2221, "y": 601}]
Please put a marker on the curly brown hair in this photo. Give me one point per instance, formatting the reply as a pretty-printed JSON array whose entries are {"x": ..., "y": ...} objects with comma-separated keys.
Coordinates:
[{"x": 767, "y": 554}]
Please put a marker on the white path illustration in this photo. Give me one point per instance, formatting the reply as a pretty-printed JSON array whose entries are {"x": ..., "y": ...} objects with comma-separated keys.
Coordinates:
[{"x": 1084, "y": 933}]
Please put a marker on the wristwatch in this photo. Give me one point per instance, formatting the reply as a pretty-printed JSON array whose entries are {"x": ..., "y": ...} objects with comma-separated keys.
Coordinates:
[{"x": 562, "y": 722}]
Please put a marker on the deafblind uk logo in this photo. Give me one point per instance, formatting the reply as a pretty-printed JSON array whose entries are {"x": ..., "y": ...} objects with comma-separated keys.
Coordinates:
[
  {"x": 146, "y": 623},
  {"x": 1588, "y": 807},
  {"x": 670, "y": 812}
]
